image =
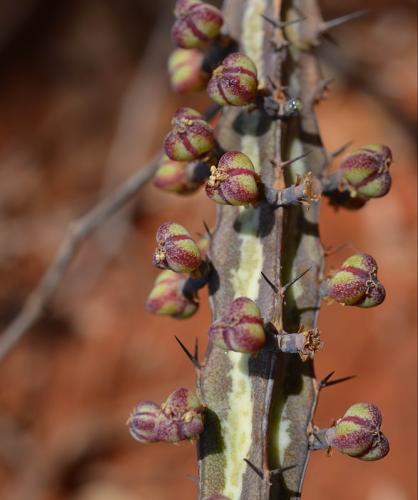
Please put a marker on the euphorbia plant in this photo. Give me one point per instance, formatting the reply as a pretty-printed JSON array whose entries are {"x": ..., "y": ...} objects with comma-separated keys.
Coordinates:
[{"x": 265, "y": 168}]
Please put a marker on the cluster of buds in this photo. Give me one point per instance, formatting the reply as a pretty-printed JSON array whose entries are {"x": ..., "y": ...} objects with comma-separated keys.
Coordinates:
[
  {"x": 356, "y": 434},
  {"x": 185, "y": 67},
  {"x": 366, "y": 171},
  {"x": 233, "y": 181},
  {"x": 190, "y": 137},
  {"x": 363, "y": 174},
  {"x": 240, "y": 329},
  {"x": 234, "y": 82},
  {"x": 176, "y": 249},
  {"x": 355, "y": 283},
  {"x": 196, "y": 23},
  {"x": 179, "y": 418},
  {"x": 180, "y": 177},
  {"x": 168, "y": 297}
]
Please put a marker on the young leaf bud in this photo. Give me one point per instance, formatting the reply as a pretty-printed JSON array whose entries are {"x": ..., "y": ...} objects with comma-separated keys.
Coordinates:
[
  {"x": 167, "y": 297},
  {"x": 197, "y": 23},
  {"x": 191, "y": 136},
  {"x": 176, "y": 249},
  {"x": 358, "y": 430},
  {"x": 142, "y": 422},
  {"x": 356, "y": 283},
  {"x": 366, "y": 171},
  {"x": 181, "y": 417},
  {"x": 185, "y": 69},
  {"x": 233, "y": 181},
  {"x": 234, "y": 82},
  {"x": 241, "y": 329},
  {"x": 173, "y": 177}
]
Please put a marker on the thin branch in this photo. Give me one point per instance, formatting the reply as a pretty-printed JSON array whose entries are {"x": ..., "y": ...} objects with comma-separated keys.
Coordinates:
[{"x": 76, "y": 233}]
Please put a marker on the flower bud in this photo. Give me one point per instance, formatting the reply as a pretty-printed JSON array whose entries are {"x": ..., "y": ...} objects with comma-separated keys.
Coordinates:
[
  {"x": 240, "y": 329},
  {"x": 357, "y": 432},
  {"x": 197, "y": 23},
  {"x": 185, "y": 69},
  {"x": 234, "y": 82},
  {"x": 379, "y": 449},
  {"x": 173, "y": 177},
  {"x": 176, "y": 249},
  {"x": 356, "y": 283},
  {"x": 181, "y": 417},
  {"x": 167, "y": 297},
  {"x": 366, "y": 171},
  {"x": 191, "y": 136},
  {"x": 142, "y": 422},
  {"x": 233, "y": 181}
]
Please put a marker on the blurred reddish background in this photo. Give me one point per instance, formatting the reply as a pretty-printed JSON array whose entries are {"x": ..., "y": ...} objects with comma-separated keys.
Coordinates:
[{"x": 85, "y": 102}]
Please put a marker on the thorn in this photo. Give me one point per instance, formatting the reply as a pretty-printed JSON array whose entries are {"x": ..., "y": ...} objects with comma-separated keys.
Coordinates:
[
  {"x": 340, "y": 380},
  {"x": 275, "y": 472},
  {"x": 288, "y": 285},
  {"x": 207, "y": 229},
  {"x": 196, "y": 349},
  {"x": 282, "y": 24},
  {"x": 329, "y": 38},
  {"x": 193, "y": 358},
  {"x": 271, "y": 82},
  {"x": 333, "y": 23},
  {"x": 325, "y": 382},
  {"x": 271, "y": 284},
  {"x": 319, "y": 93},
  {"x": 336, "y": 248},
  {"x": 258, "y": 471},
  {"x": 340, "y": 150},
  {"x": 297, "y": 158}
]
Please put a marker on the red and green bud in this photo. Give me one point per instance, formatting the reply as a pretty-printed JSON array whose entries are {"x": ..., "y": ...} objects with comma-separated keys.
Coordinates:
[
  {"x": 175, "y": 177},
  {"x": 366, "y": 171},
  {"x": 181, "y": 417},
  {"x": 167, "y": 297},
  {"x": 176, "y": 249},
  {"x": 191, "y": 136},
  {"x": 143, "y": 420},
  {"x": 233, "y": 181},
  {"x": 240, "y": 329},
  {"x": 356, "y": 283},
  {"x": 234, "y": 82},
  {"x": 358, "y": 434},
  {"x": 379, "y": 449},
  {"x": 355, "y": 432},
  {"x": 197, "y": 23},
  {"x": 185, "y": 70}
]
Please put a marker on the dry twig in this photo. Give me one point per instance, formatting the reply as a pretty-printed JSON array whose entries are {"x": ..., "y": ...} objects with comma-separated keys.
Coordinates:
[{"x": 77, "y": 232}]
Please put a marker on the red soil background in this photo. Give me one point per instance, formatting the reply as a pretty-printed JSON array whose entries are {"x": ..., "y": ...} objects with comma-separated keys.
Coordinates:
[{"x": 85, "y": 102}]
